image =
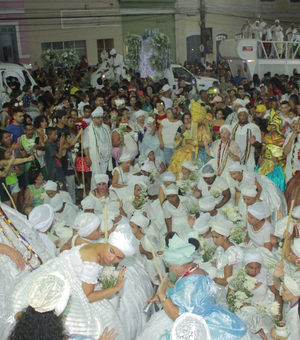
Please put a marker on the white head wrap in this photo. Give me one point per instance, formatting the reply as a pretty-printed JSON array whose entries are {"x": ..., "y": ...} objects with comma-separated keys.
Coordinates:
[
  {"x": 125, "y": 158},
  {"x": 243, "y": 109},
  {"x": 113, "y": 209},
  {"x": 56, "y": 202},
  {"x": 207, "y": 203},
  {"x": 119, "y": 102},
  {"x": 123, "y": 239},
  {"x": 101, "y": 178},
  {"x": 168, "y": 177},
  {"x": 257, "y": 210},
  {"x": 98, "y": 112},
  {"x": 276, "y": 21},
  {"x": 249, "y": 190},
  {"x": 139, "y": 113},
  {"x": 110, "y": 222},
  {"x": 149, "y": 241},
  {"x": 148, "y": 151},
  {"x": 112, "y": 51},
  {"x": 296, "y": 212},
  {"x": 14, "y": 73},
  {"x": 148, "y": 167},
  {"x": 296, "y": 247},
  {"x": 227, "y": 127},
  {"x": 241, "y": 102},
  {"x": 293, "y": 283},
  {"x": 88, "y": 203},
  {"x": 49, "y": 292},
  {"x": 140, "y": 220},
  {"x": 236, "y": 166},
  {"x": 280, "y": 227},
  {"x": 41, "y": 217},
  {"x": 202, "y": 223},
  {"x": 86, "y": 223},
  {"x": 142, "y": 185},
  {"x": 172, "y": 189},
  {"x": 50, "y": 185},
  {"x": 188, "y": 164},
  {"x": 190, "y": 326},
  {"x": 252, "y": 255},
  {"x": 222, "y": 227},
  {"x": 207, "y": 171}
]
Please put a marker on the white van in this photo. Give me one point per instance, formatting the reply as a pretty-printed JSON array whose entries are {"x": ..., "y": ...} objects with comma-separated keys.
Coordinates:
[{"x": 20, "y": 69}]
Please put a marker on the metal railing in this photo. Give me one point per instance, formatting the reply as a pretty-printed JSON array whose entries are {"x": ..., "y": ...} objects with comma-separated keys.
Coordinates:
[{"x": 289, "y": 49}]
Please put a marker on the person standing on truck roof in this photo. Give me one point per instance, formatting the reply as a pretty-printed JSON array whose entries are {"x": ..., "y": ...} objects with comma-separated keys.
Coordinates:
[
  {"x": 247, "y": 30},
  {"x": 257, "y": 33}
]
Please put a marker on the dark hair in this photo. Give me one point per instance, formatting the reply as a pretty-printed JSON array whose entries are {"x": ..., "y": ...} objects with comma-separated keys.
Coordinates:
[
  {"x": 50, "y": 130},
  {"x": 86, "y": 107},
  {"x": 17, "y": 110},
  {"x": 261, "y": 123},
  {"x": 194, "y": 242},
  {"x": 285, "y": 102},
  {"x": 138, "y": 105},
  {"x": 168, "y": 237},
  {"x": 26, "y": 87},
  {"x": 38, "y": 326},
  {"x": 38, "y": 120},
  {"x": 36, "y": 87},
  {"x": 26, "y": 116},
  {"x": 33, "y": 174},
  {"x": 2, "y": 133},
  {"x": 185, "y": 114},
  {"x": 2, "y": 152}
]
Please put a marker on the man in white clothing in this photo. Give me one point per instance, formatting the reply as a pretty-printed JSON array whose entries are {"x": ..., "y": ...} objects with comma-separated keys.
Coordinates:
[
  {"x": 291, "y": 35},
  {"x": 257, "y": 33},
  {"x": 117, "y": 63},
  {"x": 247, "y": 30},
  {"x": 97, "y": 145},
  {"x": 166, "y": 98},
  {"x": 277, "y": 35},
  {"x": 248, "y": 137}
]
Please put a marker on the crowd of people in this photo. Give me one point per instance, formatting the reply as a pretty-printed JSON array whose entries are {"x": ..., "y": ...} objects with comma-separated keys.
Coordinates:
[{"x": 141, "y": 212}]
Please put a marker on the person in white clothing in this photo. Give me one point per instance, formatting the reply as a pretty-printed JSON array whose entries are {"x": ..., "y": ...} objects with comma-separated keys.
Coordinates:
[
  {"x": 51, "y": 189},
  {"x": 118, "y": 65},
  {"x": 166, "y": 96},
  {"x": 97, "y": 145},
  {"x": 291, "y": 149},
  {"x": 277, "y": 35},
  {"x": 247, "y": 30},
  {"x": 257, "y": 33},
  {"x": 291, "y": 35},
  {"x": 248, "y": 137}
]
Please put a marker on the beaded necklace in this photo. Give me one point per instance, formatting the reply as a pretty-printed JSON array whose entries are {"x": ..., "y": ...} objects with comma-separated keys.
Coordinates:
[
  {"x": 221, "y": 165},
  {"x": 107, "y": 138},
  {"x": 248, "y": 144},
  {"x": 21, "y": 238},
  {"x": 293, "y": 159}
]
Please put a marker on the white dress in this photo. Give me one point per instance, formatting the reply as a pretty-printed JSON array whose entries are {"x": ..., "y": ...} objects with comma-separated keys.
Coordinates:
[
  {"x": 100, "y": 202},
  {"x": 219, "y": 183},
  {"x": 81, "y": 316},
  {"x": 262, "y": 236},
  {"x": 130, "y": 140},
  {"x": 123, "y": 180},
  {"x": 293, "y": 324},
  {"x": 290, "y": 168}
]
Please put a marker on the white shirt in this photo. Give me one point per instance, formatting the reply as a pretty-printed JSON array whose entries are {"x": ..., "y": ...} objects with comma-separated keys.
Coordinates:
[
  {"x": 291, "y": 34},
  {"x": 169, "y": 131},
  {"x": 262, "y": 236},
  {"x": 168, "y": 102}
]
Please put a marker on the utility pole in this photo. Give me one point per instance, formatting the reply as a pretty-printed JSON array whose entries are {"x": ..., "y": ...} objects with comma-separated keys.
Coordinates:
[{"x": 202, "y": 10}]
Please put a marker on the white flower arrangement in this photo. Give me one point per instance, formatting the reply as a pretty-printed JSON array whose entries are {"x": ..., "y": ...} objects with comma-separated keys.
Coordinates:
[
  {"x": 50, "y": 57},
  {"x": 193, "y": 174},
  {"x": 216, "y": 192},
  {"x": 69, "y": 57},
  {"x": 109, "y": 277},
  {"x": 232, "y": 214},
  {"x": 237, "y": 235},
  {"x": 265, "y": 308},
  {"x": 154, "y": 174},
  {"x": 122, "y": 130},
  {"x": 75, "y": 148},
  {"x": 181, "y": 100},
  {"x": 205, "y": 250},
  {"x": 152, "y": 113},
  {"x": 143, "y": 199},
  {"x": 193, "y": 209},
  {"x": 183, "y": 186},
  {"x": 17, "y": 104}
]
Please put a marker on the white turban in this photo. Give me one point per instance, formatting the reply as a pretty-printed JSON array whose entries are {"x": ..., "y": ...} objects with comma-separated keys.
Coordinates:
[
  {"x": 98, "y": 112},
  {"x": 207, "y": 171},
  {"x": 113, "y": 209},
  {"x": 86, "y": 223},
  {"x": 257, "y": 210},
  {"x": 49, "y": 292},
  {"x": 88, "y": 203},
  {"x": 112, "y": 51},
  {"x": 41, "y": 217},
  {"x": 139, "y": 113},
  {"x": 140, "y": 220},
  {"x": 125, "y": 158},
  {"x": 101, "y": 178},
  {"x": 227, "y": 127},
  {"x": 296, "y": 212},
  {"x": 236, "y": 166},
  {"x": 276, "y": 21},
  {"x": 222, "y": 227},
  {"x": 296, "y": 247},
  {"x": 281, "y": 225},
  {"x": 149, "y": 241},
  {"x": 249, "y": 190},
  {"x": 172, "y": 190},
  {"x": 207, "y": 203},
  {"x": 123, "y": 239},
  {"x": 243, "y": 109},
  {"x": 50, "y": 185},
  {"x": 168, "y": 177},
  {"x": 188, "y": 164},
  {"x": 56, "y": 202},
  {"x": 202, "y": 224},
  {"x": 148, "y": 167},
  {"x": 252, "y": 255},
  {"x": 240, "y": 102},
  {"x": 119, "y": 102},
  {"x": 110, "y": 222},
  {"x": 142, "y": 185},
  {"x": 293, "y": 283}
]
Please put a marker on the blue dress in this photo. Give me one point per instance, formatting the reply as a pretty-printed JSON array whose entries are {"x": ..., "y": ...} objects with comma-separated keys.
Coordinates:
[
  {"x": 276, "y": 176},
  {"x": 196, "y": 294}
]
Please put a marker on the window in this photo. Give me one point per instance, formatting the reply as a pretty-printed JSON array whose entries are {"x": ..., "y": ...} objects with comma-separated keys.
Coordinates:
[
  {"x": 79, "y": 46},
  {"x": 104, "y": 44},
  {"x": 181, "y": 73},
  {"x": 221, "y": 37}
]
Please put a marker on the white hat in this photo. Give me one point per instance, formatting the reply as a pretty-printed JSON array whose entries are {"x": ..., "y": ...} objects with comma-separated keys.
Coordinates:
[
  {"x": 86, "y": 223},
  {"x": 166, "y": 88},
  {"x": 207, "y": 203},
  {"x": 41, "y": 217},
  {"x": 292, "y": 283},
  {"x": 168, "y": 177},
  {"x": 277, "y": 21},
  {"x": 188, "y": 164},
  {"x": 240, "y": 102},
  {"x": 281, "y": 225},
  {"x": 207, "y": 171},
  {"x": 139, "y": 113},
  {"x": 101, "y": 178},
  {"x": 98, "y": 112},
  {"x": 296, "y": 247},
  {"x": 172, "y": 189},
  {"x": 49, "y": 291},
  {"x": 148, "y": 167},
  {"x": 296, "y": 212},
  {"x": 119, "y": 102},
  {"x": 110, "y": 222},
  {"x": 140, "y": 220},
  {"x": 249, "y": 190},
  {"x": 236, "y": 166},
  {"x": 202, "y": 224},
  {"x": 252, "y": 255},
  {"x": 150, "y": 241},
  {"x": 125, "y": 158},
  {"x": 142, "y": 185},
  {"x": 56, "y": 202},
  {"x": 257, "y": 210},
  {"x": 50, "y": 185},
  {"x": 123, "y": 239},
  {"x": 227, "y": 127},
  {"x": 112, "y": 51},
  {"x": 222, "y": 227},
  {"x": 88, "y": 203},
  {"x": 243, "y": 109}
]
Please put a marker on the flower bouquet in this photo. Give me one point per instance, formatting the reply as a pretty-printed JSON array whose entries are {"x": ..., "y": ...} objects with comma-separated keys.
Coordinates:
[
  {"x": 216, "y": 192},
  {"x": 193, "y": 209},
  {"x": 75, "y": 148},
  {"x": 265, "y": 308},
  {"x": 181, "y": 100},
  {"x": 193, "y": 174},
  {"x": 142, "y": 200},
  {"x": 237, "y": 235},
  {"x": 109, "y": 277},
  {"x": 206, "y": 251},
  {"x": 69, "y": 56},
  {"x": 153, "y": 175},
  {"x": 152, "y": 113},
  {"x": 122, "y": 130},
  {"x": 183, "y": 186},
  {"x": 232, "y": 214},
  {"x": 50, "y": 57}
]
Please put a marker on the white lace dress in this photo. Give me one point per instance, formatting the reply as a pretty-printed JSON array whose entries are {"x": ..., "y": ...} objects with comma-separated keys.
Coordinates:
[{"x": 82, "y": 317}]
